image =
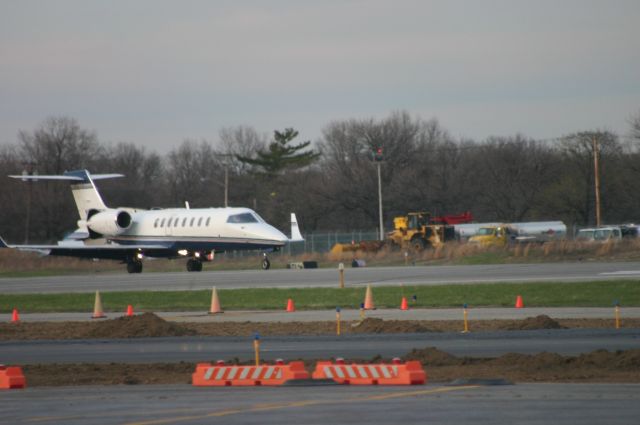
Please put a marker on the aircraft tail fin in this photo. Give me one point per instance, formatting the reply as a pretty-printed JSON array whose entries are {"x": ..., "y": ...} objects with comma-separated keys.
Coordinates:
[
  {"x": 84, "y": 190},
  {"x": 296, "y": 236},
  {"x": 3, "y": 244}
]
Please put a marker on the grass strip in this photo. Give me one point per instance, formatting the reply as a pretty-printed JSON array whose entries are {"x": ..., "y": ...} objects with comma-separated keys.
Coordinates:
[{"x": 542, "y": 294}]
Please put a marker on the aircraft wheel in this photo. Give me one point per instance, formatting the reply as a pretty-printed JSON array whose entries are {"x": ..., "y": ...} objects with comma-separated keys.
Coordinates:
[
  {"x": 266, "y": 264},
  {"x": 134, "y": 267},
  {"x": 194, "y": 265},
  {"x": 418, "y": 244}
]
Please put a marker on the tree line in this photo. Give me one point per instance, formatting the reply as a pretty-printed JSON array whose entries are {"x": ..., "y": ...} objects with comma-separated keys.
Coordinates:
[{"x": 331, "y": 184}]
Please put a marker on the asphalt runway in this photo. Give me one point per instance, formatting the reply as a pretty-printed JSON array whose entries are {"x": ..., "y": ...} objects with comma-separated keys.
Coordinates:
[
  {"x": 195, "y": 349},
  {"x": 558, "y": 404},
  {"x": 430, "y": 275}
]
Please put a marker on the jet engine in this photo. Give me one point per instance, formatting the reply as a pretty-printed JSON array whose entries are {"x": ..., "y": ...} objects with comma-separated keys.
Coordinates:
[{"x": 109, "y": 222}]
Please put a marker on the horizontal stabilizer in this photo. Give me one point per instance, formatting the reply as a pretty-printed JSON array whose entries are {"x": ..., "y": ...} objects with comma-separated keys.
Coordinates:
[{"x": 80, "y": 175}]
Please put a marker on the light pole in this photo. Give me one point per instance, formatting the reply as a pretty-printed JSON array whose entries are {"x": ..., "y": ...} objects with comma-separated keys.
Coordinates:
[
  {"x": 596, "y": 172},
  {"x": 28, "y": 171},
  {"x": 379, "y": 158},
  {"x": 226, "y": 178}
]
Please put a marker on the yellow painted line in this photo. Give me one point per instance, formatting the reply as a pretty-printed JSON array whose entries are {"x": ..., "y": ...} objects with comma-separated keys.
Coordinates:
[
  {"x": 36, "y": 419},
  {"x": 303, "y": 403}
]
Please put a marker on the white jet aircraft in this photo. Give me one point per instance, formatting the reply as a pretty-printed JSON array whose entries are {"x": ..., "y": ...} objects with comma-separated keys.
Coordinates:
[{"x": 129, "y": 234}]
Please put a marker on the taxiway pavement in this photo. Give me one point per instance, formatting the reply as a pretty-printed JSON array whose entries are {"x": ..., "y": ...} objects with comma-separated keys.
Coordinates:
[
  {"x": 362, "y": 346},
  {"x": 430, "y": 275},
  {"x": 559, "y": 404}
]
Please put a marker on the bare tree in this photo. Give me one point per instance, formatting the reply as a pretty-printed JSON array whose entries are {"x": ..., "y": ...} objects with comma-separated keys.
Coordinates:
[
  {"x": 144, "y": 184},
  {"x": 576, "y": 191},
  {"x": 191, "y": 174},
  {"x": 635, "y": 126},
  {"x": 514, "y": 171},
  {"x": 57, "y": 145}
]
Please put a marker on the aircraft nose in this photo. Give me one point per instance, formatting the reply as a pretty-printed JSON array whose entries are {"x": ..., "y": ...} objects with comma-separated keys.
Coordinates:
[
  {"x": 278, "y": 235},
  {"x": 270, "y": 233}
]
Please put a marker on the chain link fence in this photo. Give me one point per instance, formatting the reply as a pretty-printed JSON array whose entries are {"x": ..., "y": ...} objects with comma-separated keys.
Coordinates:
[{"x": 315, "y": 243}]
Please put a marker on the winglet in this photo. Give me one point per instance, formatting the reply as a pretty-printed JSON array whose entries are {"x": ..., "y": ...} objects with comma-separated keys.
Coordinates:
[{"x": 296, "y": 236}]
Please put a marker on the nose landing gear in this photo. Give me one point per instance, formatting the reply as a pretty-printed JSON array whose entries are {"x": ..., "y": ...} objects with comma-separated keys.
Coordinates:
[
  {"x": 134, "y": 265},
  {"x": 266, "y": 264}
]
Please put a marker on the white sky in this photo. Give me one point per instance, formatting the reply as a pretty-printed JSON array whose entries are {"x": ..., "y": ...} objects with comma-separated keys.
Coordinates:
[{"x": 157, "y": 72}]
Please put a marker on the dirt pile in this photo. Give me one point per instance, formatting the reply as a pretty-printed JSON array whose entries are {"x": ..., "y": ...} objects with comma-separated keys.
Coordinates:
[
  {"x": 150, "y": 325},
  {"x": 144, "y": 325},
  {"x": 431, "y": 356},
  {"x": 376, "y": 326},
  {"x": 531, "y": 323}
]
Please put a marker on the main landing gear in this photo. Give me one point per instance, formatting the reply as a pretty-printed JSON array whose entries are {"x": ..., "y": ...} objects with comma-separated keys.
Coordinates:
[{"x": 194, "y": 265}]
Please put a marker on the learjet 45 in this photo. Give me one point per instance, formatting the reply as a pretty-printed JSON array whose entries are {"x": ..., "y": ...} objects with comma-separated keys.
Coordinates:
[{"x": 130, "y": 235}]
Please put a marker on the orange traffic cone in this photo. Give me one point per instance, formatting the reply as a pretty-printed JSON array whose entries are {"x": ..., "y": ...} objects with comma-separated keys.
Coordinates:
[
  {"x": 519, "y": 303},
  {"x": 368, "y": 299},
  {"x": 290, "y": 307},
  {"x": 129, "y": 310},
  {"x": 215, "y": 303},
  {"x": 15, "y": 317},
  {"x": 403, "y": 304},
  {"x": 97, "y": 308}
]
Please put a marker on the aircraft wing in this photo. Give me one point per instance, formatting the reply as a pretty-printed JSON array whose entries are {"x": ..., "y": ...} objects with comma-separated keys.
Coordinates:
[{"x": 80, "y": 249}]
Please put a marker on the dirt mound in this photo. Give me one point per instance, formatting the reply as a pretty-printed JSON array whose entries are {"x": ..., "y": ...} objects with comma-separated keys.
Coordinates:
[
  {"x": 540, "y": 361},
  {"x": 111, "y": 328},
  {"x": 376, "y": 326},
  {"x": 530, "y": 323},
  {"x": 140, "y": 326},
  {"x": 431, "y": 356},
  {"x": 629, "y": 359}
]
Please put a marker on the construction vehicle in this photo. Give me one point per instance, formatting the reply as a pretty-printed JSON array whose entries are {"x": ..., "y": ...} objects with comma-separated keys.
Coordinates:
[
  {"x": 416, "y": 230},
  {"x": 534, "y": 231}
]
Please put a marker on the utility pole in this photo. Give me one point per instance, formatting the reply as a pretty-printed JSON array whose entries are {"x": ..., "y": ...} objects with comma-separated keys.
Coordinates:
[
  {"x": 226, "y": 178},
  {"x": 380, "y": 203},
  {"x": 596, "y": 173},
  {"x": 378, "y": 157},
  {"x": 226, "y": 185}
]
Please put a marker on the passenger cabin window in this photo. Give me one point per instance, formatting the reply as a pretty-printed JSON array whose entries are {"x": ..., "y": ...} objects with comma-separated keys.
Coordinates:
[
  {"x": 162, "y": 223},
  {"x": 242, "y": 218},
  {"x": 200, "y": 222},
  {"x": 155, "y": 223},
  {"x": 175, "y": 222},
  {"x": 208, "y": 221},
  {"x": 184, "y": 221},
  {"x": 192, "y": 220}
]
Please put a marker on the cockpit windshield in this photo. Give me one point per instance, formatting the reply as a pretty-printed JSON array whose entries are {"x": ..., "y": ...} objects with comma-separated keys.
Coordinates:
[{"x": 242, "y": 218}]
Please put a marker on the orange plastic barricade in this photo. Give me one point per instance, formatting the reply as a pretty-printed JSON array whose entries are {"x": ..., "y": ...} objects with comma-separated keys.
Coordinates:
[
  {"x": 220, "y": 375},
  {"x": 11, "y": 377},
  {"x": 397, "y": 373}
]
